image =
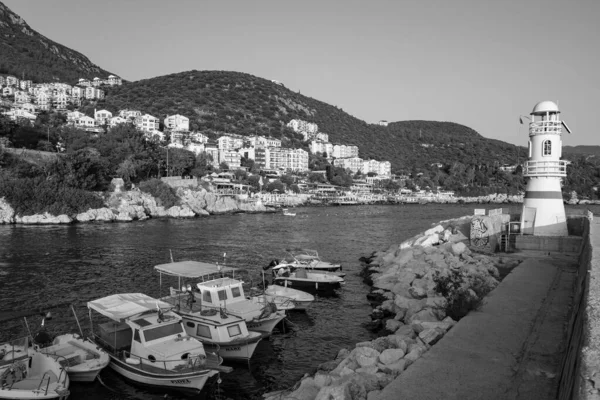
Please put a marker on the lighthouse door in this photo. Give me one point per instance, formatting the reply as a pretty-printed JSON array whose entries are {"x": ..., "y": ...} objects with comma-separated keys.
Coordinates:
[{"x": 527, "y": 220}]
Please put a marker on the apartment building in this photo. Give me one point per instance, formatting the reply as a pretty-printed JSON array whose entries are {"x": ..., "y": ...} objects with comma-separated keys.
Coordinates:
[
  {"x": 345, "y": 151},
  {"x": 130, "y": 114},
  {"x": 231, "y": 157},
  {"x": 147, "y": 123},
  {"x": 60, "y": 101},
  {"x": 286, "y": 159},
  {"x": 227, "y": 142},
  {"x": 84, "y": 82},
  {"x": 317, "y": 146},
  {"x": 85, "y": 122},
  {"x": 12, "y": 81},
  {"x": 114, "y": 80},
  {"x": 102, "y": 116},
  {"x": 383, "y": 168},
  {"x": 177, "y": 122},
  {"x": 354, "y": 164},
  {"x": 20, "y": 114},
  {"x": 74, "y": 116},
  {"x": 114, "y": 121}
]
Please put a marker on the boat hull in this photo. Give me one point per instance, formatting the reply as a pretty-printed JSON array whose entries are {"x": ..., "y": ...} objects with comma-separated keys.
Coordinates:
[
  {"x": 265, "y": 325},
  {"x": 190, "y": 382},
  {"x": 308, "y": 285},
  {"x": 234, "y": 352}
]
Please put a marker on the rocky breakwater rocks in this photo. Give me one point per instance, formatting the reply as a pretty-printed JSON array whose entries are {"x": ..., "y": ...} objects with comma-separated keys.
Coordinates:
[
  {"x": 418, "y": 282},
  {"x": 136, "y": 205}
]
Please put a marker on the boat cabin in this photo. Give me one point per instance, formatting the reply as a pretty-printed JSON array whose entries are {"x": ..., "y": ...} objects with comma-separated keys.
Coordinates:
[
  {"x": 228, "y": 294},
  {"x": 151, "y": 336}
]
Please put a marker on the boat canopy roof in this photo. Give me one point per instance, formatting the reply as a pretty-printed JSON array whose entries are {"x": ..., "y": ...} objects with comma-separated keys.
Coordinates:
[
  {"x": 119, "y": 307},
  {"x": 192, "y": 269}
]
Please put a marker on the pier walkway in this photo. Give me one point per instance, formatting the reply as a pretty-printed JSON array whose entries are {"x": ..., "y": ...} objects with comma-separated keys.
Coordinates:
[{"x": 511, "y": 348}]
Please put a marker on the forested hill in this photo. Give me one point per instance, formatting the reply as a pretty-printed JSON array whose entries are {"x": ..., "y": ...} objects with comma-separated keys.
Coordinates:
[
  {"x": 27, "y": 54},
  {"x": 235, "y": 102}
]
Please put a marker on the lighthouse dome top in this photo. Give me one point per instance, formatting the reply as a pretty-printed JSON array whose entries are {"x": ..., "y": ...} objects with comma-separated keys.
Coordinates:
[{"x": 545, "y": 106}]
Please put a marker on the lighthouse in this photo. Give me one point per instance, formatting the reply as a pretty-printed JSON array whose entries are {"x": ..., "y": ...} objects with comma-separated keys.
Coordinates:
[{"x": 543, "y": 209}]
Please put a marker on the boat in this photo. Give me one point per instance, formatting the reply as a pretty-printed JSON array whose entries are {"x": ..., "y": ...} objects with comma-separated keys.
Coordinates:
[
  {"x": 309, "y": 260},
  {"x": 221, "y": 292},
  {"x": 147, "y": 344},
  {"x": 302, "y": 300},
  {"x": 82, "y": 359},
  {"x": 288, "y": 213},
  {"x": 301, "y": 279},
  {"x": 218, "y": 330},
  {"x": 26, "y": 373}
]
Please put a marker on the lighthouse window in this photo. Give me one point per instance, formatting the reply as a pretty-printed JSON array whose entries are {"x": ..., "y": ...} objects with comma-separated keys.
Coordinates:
[{"x": 547, "y": 148}]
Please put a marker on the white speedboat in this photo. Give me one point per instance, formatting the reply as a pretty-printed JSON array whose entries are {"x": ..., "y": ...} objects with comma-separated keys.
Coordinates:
[
  {"x": 301, "y": 300},
  {"x": 221, "y": 292},
  {"x": 288, "y": 213},
  {"x": 150, "y": 346},
  {"x": 309, "y": 260},
  {"x": 26, "y": 373},
  {"x": 82, "y": 358},
  {"x": 299, "y": 278}
]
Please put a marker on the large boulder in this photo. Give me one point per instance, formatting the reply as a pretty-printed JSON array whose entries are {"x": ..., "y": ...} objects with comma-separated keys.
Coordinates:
[
  {"x": 43, "y": 219},
  {"x": 307, "y": 390},
  {"x": 391, "y": 356}
]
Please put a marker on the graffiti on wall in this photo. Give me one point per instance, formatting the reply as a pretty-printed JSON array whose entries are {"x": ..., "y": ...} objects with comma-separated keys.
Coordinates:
[{"x": 480, "y": 235}]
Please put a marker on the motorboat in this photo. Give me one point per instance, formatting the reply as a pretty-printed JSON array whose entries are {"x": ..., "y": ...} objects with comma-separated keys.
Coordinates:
[
  {"x": 218, "y": 330},
  {"x": 82, "y": 359},
  {"x": 220, "y": 292},
  {"x": 147, "y": 343},
  {"x": 301, "y": 300},
  {"x": 309, "y": 260},
  {"x": 288, "y": 213},
  {"x": 308, "y": 281},
  {"x": 26, "y": 373},
  {"x": 281, "y": 302}
]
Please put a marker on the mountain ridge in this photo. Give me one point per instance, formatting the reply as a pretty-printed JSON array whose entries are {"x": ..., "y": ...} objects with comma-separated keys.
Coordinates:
[{"x": 27, "y": 54}]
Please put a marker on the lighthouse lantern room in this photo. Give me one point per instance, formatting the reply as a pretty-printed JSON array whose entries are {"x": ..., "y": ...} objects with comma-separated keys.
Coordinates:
[{"x": 543, "y": 208}]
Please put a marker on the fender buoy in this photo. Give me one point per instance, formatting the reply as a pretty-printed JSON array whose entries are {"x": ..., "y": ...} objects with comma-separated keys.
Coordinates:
[{"x": 132, "y": 361}]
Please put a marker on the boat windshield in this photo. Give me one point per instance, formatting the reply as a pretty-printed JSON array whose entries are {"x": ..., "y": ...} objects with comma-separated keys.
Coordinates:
[{"x": 162, "y": 331}]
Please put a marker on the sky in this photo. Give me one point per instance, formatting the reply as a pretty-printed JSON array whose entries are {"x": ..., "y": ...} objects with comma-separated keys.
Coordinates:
[{"x": 479, "y": 63}]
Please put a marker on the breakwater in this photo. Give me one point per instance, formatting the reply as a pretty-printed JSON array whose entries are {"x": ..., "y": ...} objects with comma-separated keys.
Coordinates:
[{"x": 420, "y": 285}]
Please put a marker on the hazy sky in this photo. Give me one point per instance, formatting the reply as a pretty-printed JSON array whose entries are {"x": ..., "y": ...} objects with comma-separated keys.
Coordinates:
[{"x": 475, "y": 62}]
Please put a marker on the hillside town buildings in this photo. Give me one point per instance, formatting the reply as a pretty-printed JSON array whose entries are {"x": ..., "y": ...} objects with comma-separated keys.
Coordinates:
[{"x": 26, "y": 99}]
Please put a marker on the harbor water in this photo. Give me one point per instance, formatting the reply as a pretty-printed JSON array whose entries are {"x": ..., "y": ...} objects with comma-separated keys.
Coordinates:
[{"x": 47, "y": 265}]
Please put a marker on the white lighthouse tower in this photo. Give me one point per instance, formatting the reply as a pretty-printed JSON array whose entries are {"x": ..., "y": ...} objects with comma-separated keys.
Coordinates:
[{"x": 543, "y": 209}]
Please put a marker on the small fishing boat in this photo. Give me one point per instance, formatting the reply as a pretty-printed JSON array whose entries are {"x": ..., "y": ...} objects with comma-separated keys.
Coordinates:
[
  {"x": 301, "y": 279},
  {"x": 218, "y": 330},
  {"x": 82, "y": 359},
  {"x": 26, "y": 373},
  {"x": 301, "y": 300},
  {"x": 221, "y": 292},
  {"x": 288, "y": 213},
  {"x": 148, "y": 344}
]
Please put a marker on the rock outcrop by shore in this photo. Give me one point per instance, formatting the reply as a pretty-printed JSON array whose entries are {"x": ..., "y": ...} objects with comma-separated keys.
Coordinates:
[
  {"x": 135, "y": 205},
  {"x": 408, "y": 281}
]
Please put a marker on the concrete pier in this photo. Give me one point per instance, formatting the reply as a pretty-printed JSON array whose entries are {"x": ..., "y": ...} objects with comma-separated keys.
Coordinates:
[{"x": 511, "y": 348}]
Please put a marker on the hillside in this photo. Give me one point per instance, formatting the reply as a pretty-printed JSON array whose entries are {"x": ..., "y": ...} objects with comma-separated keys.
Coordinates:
[
  {"x": 27, "y": 54},
  {"x": 582, "y": 150},
  {"x": 234, "y": 102}
]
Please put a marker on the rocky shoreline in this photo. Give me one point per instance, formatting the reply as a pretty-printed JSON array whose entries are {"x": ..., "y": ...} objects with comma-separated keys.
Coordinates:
[
  {"x": 416, "y": 285},
  {"x": 134, "y": 205}
]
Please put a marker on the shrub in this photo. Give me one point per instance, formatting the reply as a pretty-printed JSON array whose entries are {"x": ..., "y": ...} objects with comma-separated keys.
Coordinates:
[
  {"x": 461, "y": 298},
  {"x": 164, "y": 194},
  {"x": 29, "y": 196}
]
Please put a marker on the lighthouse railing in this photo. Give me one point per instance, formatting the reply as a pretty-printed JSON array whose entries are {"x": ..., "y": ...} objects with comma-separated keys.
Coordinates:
[
  {"x": 545, "y": 168},
  {"x": 545, "y": 127}
]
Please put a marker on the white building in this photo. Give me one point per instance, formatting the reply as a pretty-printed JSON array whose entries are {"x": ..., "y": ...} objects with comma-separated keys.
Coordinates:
[
  {"x": 177, "y": 122},
  {"x": 317, "y": 146},
  {"x": 227, "y": 142},
  {"x": 383, "y": 122},
  {"x": 85, "y": 122},
  {"x": 345, "y": 151},
  {"x": 286, "y": 159},
  {"x": 84, "y": 82},
  {"x": 43, "y": 100},
  {"x": 231, "y": 157},
  {"x": 324, "y": 137},
  {"x": 12, "y": 81},
  {"x": 102, "y": 116},
  {"x": 382, "y": 168},
  {"x": 25, "y": 84},
  {"x": 129, "y": 114},
  {"x": 198, "y": 137},
  {"x": 300, "y": 126},
  {"x": 261, "y": 141},
  {"x": 28, "y": 107},
  {"x": 22, "y": 96},
  {"x": 60, "y": 101},
  {"x": 114, "y": 80},
  {"x": 20, "y": 114},
  {"x": 354, "y": 164},
  {"x": 114, "y": 121},
  {"x": 147, "y": 123},
  {"x": 74, "y": 116},
  {"x": 213, "y": 151}
]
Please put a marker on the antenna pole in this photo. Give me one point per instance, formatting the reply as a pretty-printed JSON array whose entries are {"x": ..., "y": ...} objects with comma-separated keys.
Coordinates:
[{"x": 77, "y": 319}]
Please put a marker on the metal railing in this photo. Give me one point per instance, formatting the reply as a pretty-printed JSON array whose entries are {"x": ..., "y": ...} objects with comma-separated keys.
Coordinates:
[
  {"x": 545, "y": 127},
  {"x": 545, "y": 168}
]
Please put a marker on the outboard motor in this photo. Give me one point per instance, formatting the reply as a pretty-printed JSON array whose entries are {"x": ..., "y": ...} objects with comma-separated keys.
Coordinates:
[{"x": 43, "y": 338}]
